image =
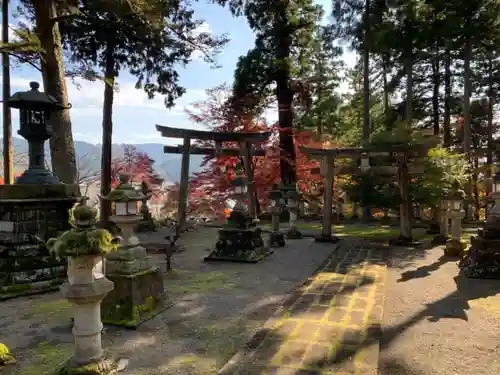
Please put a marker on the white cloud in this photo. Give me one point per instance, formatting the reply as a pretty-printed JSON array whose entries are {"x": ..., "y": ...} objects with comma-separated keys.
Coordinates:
[{"x": 203, "y": 28}]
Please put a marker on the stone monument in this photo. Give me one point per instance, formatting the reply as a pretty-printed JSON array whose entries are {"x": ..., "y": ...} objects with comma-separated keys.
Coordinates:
[{"x": 139, "y": 292}]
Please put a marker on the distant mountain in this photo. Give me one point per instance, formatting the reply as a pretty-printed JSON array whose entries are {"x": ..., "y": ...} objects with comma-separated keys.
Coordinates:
[{"x": 89, "y": 156}]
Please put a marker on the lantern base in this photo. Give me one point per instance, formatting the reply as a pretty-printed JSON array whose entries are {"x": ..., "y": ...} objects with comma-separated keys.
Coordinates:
[
  {"x": 277, "y": 239},
  {"x": 102, "y": 367},
  {"x": 454, "y": 248},
  {"x": 293, "y": 233},
  {"x": 136, "y": 298},
  {"x": 327, "y": 238},
  {"x": 239, "y": 245},
  {"x": 440, "y": 239},
  {"x": 37, "y": 177}
]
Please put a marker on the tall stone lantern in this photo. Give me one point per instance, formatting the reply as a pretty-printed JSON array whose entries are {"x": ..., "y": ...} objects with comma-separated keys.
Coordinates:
[
  {"x": 84, "y": 246},
  {"x": 456, "y": 213},
  {"x": 293, "y": 198},
  {"x": 276, "y": 239},
  {"x": 138, "y": 293},
  {"x": 35, "y": 108},
  {"x": 240, "y": 240}
]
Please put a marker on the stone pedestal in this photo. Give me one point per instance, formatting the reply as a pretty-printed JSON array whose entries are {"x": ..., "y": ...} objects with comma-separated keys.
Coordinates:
[
  {"x": 139, "y": 294},
  {"x": 86, "y": 288},
  {"x": 276, "y": 239},
  {"x": 455, "y": 246},
  {"x": 293, "y": 207},
  {"x": 442, "y": 237}
]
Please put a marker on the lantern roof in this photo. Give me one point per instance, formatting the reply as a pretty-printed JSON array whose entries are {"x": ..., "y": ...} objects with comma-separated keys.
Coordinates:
[
  {"x": 35, "y": 100},
  {"x": 124, "y": 192}
]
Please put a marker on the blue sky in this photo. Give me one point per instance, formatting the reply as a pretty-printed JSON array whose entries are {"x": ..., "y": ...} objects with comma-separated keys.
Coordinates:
[{"x": 134, "y": 116}]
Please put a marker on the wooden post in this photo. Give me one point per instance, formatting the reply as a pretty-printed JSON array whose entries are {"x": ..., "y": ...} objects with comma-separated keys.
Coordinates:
[
  {"x": 184, "y": 188},
  {"x": 247, "y": 162}
]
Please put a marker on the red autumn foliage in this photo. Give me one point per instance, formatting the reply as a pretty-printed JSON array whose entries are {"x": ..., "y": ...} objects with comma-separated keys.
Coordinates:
[
  {"x": 137, "y": 164},
  {"x": 218, "y": 172}
]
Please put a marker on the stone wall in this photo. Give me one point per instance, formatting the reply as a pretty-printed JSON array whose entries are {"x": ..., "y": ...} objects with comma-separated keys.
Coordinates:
[{"x": 26, "y": 266}]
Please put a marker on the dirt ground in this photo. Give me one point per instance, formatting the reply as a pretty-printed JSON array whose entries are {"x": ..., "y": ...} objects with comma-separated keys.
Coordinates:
[
  {"x": 218, "y": 306},
  {"x": 437, "y": 322}
]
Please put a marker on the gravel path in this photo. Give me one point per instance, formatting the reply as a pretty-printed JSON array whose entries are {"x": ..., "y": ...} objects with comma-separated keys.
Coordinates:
[
  {"x": 218, "y": 306},
  {"x": 437, "y": 322}
]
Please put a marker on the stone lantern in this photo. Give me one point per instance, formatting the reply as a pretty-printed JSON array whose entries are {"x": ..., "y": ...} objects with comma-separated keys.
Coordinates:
[
  {"x": 444, "y": 222},
  {"x": 239, "y": 240},
  {"x": 84, "y": 246},
  {"x": 277, "y": 239},
  {"x": 139, "y": 292},
  {"x": 293, "y": 198},
  {"x": 35, "y": 108},
  {"x": 455, "y": 246}
]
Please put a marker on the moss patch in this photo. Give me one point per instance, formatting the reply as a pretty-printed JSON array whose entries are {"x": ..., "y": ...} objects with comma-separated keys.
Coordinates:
[
  {"x": 46, "y": 359},
  {"x": 56, "y": 309},
  {"x": 185, "y": 282}
]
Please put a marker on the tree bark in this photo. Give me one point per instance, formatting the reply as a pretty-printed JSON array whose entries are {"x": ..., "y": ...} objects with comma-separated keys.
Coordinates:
[
  {"x": 107, "y": 131},
  {"x": 284, "y": 94},
  {"x": 62, "y": 148},
  {"x": 366, "y": 86},
  {"x": 8, "y": 154},
  {"x": 466, "y": 113},
  {"x": 447, "y": 100},
  {"x": 436, "y": 83},
  {"x": 489, "y": 152}
]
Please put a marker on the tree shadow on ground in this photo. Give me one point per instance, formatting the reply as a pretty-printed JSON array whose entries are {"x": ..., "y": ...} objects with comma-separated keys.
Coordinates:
[
  {"x": 424, "y": 271},
  {"x": 454, "y": 306},
  {"x": 397, "y": 367}
]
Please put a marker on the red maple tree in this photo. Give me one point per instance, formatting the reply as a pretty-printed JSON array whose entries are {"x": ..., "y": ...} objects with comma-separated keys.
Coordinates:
[
  {"x": 218, "y": 172},
  {"x": 137, "y": 164}
]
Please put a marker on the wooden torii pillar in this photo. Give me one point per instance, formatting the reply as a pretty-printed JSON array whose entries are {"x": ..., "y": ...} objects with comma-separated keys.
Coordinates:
[
  {"x": 328, "y": 159},
  {"x": 246, "y": 151}
]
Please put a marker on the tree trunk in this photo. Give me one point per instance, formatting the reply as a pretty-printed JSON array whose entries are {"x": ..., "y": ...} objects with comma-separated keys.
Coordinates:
[
  {"x": 466, "y": 114},
  {"x": 406, "y": 206},
  {"x": 489, "y": 152},
  {"x": 284, "y": 94},
  {"x": 385, "y": 68},
  {"x": 436, "y": 83},
  {"x": 477, "y": 203},
  {"x": 107, "y": 131},
  {"x": 8, "y": 154},
  {"x": 447, "y": 100},
  {"x": 366, "y": 87},
  {"x": 62, "y": 148}
]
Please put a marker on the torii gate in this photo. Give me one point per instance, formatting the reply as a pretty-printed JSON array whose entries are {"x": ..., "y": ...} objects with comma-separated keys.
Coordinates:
[
  {"x": 328, "y": 161},
  {"x": 246, "y": 151}
]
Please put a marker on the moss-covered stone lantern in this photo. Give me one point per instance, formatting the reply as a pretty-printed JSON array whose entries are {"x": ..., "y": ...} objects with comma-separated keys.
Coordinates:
[
  {"x": 139, "y": 292},
  {"x": 455, "y": 246},
  {"x": 35, "y": 108},
  {"x": 84, "y": 246}
]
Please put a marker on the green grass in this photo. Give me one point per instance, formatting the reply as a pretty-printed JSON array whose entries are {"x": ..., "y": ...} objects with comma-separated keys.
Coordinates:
[{"x": 377, "y": 232}]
